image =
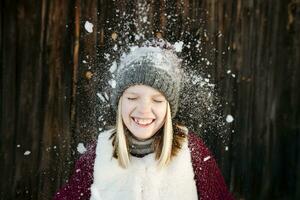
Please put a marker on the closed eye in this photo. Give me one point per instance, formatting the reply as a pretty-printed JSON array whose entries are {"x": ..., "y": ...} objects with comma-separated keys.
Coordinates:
[
  {"x": 131, "y": 98},
  {"x": 158, "y": 101}
]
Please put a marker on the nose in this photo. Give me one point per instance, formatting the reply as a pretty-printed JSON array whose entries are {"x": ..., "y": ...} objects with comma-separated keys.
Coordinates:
[{"x": 144, "y": 107}]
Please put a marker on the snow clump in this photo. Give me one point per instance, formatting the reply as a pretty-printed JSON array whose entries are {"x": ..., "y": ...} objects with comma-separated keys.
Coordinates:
[
  {"x": 81, "y": 148},
  {"x": 229, "y": 118},
  {"x": 206, "y": 158},
  {"x": 88, "y": 26},
  {"x": 161, "y": 58},
  {"x": 178, "y": 46}
]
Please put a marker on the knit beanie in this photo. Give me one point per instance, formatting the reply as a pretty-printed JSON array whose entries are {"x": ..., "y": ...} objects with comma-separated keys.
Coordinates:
[{"x": 152, "y": 66}]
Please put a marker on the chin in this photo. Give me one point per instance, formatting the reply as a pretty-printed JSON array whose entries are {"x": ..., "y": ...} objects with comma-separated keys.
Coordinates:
[{"x": 142, "y": 135}]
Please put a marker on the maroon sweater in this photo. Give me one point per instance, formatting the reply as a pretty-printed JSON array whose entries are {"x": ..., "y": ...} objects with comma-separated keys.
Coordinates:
[{"x": 209, "y": 180}]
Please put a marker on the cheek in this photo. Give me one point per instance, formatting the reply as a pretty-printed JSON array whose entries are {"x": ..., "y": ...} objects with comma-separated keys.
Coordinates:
[
  {"x": 126, "y": 110},
  {"x": 161, "y": 112}
]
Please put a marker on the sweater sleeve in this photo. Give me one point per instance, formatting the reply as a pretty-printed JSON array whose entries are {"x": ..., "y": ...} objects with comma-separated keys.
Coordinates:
[
  {"x": 209, "y": 180},
  {"x": 78, "y": 186}
]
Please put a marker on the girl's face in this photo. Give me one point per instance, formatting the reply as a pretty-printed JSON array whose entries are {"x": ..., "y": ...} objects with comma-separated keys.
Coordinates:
[{"x": 143, "y": 110}]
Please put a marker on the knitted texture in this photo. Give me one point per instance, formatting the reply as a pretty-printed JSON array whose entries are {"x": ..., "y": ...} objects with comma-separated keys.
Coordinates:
[
  {"x": 140, "y": 148},
  {"x": 151, "y": 66},
  {"x": 209, "y": 180}
]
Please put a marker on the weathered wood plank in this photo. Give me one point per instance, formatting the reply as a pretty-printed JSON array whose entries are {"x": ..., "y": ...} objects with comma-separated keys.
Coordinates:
[
  {"x": 56, "y": 151},
  {"x": 8, "y": 96}
]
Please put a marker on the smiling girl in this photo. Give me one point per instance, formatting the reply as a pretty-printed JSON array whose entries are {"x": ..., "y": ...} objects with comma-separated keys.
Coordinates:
[
  {"x": 146, "y": 156},
  {"x": 143, "y": 110}
]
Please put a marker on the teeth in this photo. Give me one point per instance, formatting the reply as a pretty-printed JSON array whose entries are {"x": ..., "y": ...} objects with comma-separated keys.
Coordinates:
[{"x": 143, "y": 121}]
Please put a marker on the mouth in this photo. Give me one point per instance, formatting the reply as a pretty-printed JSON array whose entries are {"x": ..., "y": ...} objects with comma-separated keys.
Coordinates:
[{"x": 143, "y": 122}]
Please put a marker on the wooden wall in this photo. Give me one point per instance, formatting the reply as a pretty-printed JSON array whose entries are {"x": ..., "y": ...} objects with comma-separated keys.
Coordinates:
[{"x": 52, "y": 70}]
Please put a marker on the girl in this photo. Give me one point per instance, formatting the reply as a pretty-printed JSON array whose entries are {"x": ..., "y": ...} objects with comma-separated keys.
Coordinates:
[{"x": 146, "y": 156}]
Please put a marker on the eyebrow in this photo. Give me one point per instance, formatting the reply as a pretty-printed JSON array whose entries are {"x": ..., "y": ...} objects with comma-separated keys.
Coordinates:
[
  {"x": 158, "y": 95},
  {"x": 155, "y": 95},
  {"x": 131, "y": 93}
]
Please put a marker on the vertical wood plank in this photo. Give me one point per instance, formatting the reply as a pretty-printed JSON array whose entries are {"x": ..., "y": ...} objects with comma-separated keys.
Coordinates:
[
  {"x": 56, "y": 136},
  {"x": 8, "y": 97}
]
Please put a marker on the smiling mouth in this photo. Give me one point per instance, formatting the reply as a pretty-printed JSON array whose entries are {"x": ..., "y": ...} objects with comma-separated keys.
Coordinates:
[{"x": 143, "y": 122}]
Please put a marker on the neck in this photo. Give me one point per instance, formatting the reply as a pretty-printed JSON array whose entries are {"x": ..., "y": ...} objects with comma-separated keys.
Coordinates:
[{"x": 140, "y": 148}]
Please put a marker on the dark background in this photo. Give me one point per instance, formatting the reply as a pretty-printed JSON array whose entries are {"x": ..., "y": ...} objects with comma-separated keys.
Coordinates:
[{"x": 52, "y": 68}]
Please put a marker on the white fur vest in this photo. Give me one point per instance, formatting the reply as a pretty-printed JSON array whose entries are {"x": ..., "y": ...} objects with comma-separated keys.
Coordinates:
[{"x": 141, "y": 180}]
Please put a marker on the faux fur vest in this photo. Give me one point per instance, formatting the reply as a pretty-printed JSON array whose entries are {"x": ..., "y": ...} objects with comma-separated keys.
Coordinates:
[{"x": 142, "y": 180}]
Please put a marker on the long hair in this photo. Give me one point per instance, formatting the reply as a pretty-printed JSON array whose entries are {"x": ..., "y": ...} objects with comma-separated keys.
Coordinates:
[
  {"x": 120, "y": 143},
  {"x": 166, "y": 146}
]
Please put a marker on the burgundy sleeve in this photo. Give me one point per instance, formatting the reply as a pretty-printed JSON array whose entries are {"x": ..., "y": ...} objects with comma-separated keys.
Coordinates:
[
  {"x": 209, "y": 180},
  {"x": 79, "y": 184}
]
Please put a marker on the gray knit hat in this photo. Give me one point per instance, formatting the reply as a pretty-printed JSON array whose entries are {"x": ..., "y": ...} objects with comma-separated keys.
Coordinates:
[{"x": 152, "y": 66}]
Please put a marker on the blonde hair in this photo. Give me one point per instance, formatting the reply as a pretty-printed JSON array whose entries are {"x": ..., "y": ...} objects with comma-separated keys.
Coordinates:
[
  {"x": 165, "y": 155},
  {"x": 164, "y": 149},
  {"x": 120, "y": 143}
]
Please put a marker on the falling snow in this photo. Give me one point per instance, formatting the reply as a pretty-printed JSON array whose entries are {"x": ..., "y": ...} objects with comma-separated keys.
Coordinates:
[
  {"x": 101, "y": 97},
  {"x": 81, "y": 148},
  {"x": 113, "y": 83},
  {"x": 199, "y": 106},
  {"x": 229, "y": 118},
  {"x": 206, "y": 158},
  {"x": 162, "y": 59},
  {"x": 178, "y": 46},
  {"x": 113, "y": 67},
  {"x": 88, "y": 26}
]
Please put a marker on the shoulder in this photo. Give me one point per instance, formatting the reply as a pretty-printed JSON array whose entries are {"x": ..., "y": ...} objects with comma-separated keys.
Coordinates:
[
  {"x": 202, "y": 158},
  {"x": 106, "y": 135},
  {"x": 197, "y": 146},
  {"x": 82, "y": 176},
  {"x": 88, "y": 157},
  {"x": 195, "y": 139},
  {"x": 209, "y": 180},
  {"x": 86, "y": 161}
]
